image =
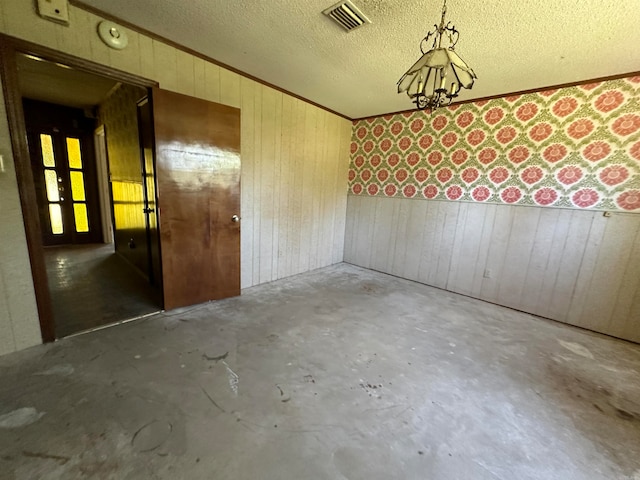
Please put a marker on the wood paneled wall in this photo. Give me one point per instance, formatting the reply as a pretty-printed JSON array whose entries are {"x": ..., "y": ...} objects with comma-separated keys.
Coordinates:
[
  {"x": 19, "y": 327},
  {"x": 578, "y": 267},
  {"x": 119, "y": 115},
  {"x": 294, "y": 158}
]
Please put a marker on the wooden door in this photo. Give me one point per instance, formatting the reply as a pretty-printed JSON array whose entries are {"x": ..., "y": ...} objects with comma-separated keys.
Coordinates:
[{"x": 198, "y": 179}]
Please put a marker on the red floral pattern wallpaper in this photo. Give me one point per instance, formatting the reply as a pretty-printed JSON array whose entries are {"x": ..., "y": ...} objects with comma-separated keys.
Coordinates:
[{"x": 572, "y": 147}]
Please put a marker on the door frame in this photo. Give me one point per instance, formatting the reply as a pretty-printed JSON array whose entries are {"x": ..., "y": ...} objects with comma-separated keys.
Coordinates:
[
  {"x": 10, "y": 47},
  {"x": 61, "y": 123},
  {"x": 104, "y": 193}
]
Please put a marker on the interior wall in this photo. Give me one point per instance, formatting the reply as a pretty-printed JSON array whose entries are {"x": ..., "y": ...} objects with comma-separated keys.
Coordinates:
[
  {"x": 119, "y": 115},
  {"x": 19, "y": 327},
  {"x": 504, "y": 200},
  {"x": 295, "y": 159},
  {"x": 574, "y": 266}
]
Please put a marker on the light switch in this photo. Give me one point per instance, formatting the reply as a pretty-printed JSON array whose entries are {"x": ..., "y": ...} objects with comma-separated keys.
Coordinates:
[{"x": 54, "y": 10}]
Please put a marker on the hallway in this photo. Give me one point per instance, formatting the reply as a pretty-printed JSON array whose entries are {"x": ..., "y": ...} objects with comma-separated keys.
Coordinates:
[{"x": 91, "y": 286}]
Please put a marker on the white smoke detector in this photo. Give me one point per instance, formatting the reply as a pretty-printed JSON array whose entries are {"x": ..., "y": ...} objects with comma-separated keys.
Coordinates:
[{"x": 113, "y": 35}]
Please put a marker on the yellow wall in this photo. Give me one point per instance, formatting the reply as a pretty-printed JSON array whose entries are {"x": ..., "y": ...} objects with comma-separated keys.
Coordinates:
[
  {"x": 294, "y": 163},
  {"x": 119, "y": 115}
]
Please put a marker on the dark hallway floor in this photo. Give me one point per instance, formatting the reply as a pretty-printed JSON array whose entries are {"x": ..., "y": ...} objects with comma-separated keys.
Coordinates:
[{"x": 91, "y": 286}]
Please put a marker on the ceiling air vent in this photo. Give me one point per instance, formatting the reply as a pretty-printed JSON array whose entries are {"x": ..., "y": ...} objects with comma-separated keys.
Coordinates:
[{"x": 347, "y": 15}]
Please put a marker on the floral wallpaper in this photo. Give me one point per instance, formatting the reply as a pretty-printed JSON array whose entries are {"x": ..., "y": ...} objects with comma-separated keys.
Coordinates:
[{"x": 573, "y": 147}]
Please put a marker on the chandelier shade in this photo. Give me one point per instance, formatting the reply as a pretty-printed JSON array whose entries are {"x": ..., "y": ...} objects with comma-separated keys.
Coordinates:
[{"x": 437, "y": 77}]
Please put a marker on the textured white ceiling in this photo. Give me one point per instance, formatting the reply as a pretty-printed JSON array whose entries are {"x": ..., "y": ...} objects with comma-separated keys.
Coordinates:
[{"x": 511, "y": 44}]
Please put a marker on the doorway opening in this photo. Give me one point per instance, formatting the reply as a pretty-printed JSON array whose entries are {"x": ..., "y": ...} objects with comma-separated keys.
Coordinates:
[
  {"x": 89, "y": 140},
  {"x": 189, "y": 252}
]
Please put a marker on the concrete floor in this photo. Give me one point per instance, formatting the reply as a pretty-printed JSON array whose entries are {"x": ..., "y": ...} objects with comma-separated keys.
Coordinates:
[
  {"x": 91, "y": 286},
  {"x": 341, "y": 373}
]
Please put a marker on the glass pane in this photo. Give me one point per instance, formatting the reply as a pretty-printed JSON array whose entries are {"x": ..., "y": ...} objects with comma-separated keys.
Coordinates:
[
  {"x": 55, "y": 214},
  {"x": 47, "y": 150},
  {"x": 80, "y": 215},
  {"x": 51, "y": 181},
  {"x": 77, "y": 186},
  {"x": 73, "y": 150}
]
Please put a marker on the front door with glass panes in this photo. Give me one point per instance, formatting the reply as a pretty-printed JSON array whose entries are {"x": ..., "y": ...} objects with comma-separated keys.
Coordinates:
[
  {"x": 63, "y": 165},
  {"x": 66, "y": 217}
]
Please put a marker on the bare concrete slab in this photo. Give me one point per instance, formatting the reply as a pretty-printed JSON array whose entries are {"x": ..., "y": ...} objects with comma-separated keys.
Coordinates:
[{"x": 341, "y": 373}]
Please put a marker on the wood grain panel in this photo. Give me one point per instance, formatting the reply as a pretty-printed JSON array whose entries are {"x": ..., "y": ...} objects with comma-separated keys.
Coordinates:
[
  {"x": 351, "y": 226},
  {"x": 119, "y": 115},
  {"x": 20, "y": 15},
  {"x": 2, "y": 17},
  {"x": 283, "y": 264},
  {"x": 212, "y": 82},
  {"x": 588, "y": 265},
  {"x": 363, "y": 244},
  {"x": 623, "y": 320},
  {"x": 267, "y": 174},
  {"x": 340, "y": 197},
  {"x": 457, "y": 266},
  {"x": 608, "y": 267},
  {"x": 307, "y": 184},
  {"x": 199, "y": 80},
  {"x": 572, "y": 266},
  {"x": 277, "y": 176},
  {"x": 146, "y": 58},
  {"x": 552, "y": 271},
  {"x": 539, "y": 264},
  {"x": 488, "y": 214},
  {"x": 382, "y": 235},
  {"x": 398, "y": 261},
  {"x": 517, "y": 256},
  {"x": 442, "y": 254},
  {"x": 627, "y": 303},
  {"x": 229, "y": 88},
  {"x": 127, "y": 59},
  {"x": 466, "y": 249},
  {"x": 318, "y": 234},
  {"x": 185, "y": 74},
  {"x": 165, "y": 66},
  {"x": 569, "y": 265},
  {"x": 500, "y": 232},
  {"x": 248, "y": 171},
  {"x": 198, "y": 174},
  {"x": 415, "y": 236},
  {"x": 428, "y": 263},
  {"x": 255, "y": 93},
  {"x": 77, "y": 42}
]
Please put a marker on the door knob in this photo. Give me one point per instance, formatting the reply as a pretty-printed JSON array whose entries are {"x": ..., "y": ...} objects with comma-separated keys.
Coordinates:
[{"x": 235, "y": 219}]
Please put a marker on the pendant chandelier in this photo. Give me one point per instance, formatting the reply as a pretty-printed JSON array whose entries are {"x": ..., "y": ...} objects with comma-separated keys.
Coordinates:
[{"x": 437, "y": 77}]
